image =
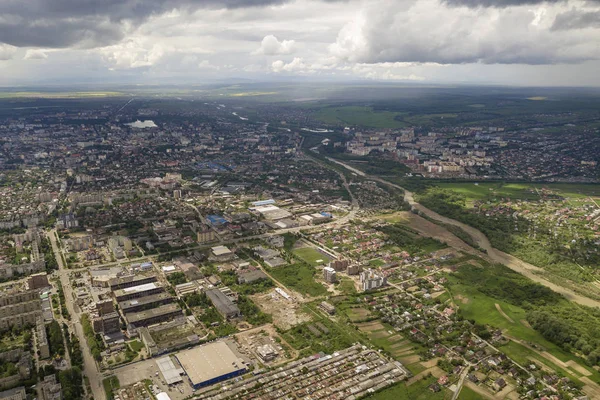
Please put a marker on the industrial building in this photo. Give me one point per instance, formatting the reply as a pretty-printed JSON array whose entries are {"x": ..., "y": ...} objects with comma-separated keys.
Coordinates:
[
  {"x": 223, "y": 304},
  {"x": 136, "y": 292},
  {"x": 130, "y": 281},
  {"x": 210, "y": 363},
  {"x": 145, "y": 303},
  {"x": 222, "y": 254},
  {"x": 271, "y": 212},
  {"x": 169, "y": 370},
  {"x": 153, "y": 316},
  {"x": 107, "y": 323}
]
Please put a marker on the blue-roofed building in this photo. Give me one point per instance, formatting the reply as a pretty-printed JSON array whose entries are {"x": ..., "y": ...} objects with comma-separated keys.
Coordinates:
[{"x": 216, "y": 220}]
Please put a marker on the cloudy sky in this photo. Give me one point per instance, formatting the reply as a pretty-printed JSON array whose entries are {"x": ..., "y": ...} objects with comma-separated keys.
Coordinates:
[{"x": 520, "y": 42}]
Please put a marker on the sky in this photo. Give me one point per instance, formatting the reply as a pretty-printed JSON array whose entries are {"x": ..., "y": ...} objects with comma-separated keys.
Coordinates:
[{"x": 509, "y": 42}]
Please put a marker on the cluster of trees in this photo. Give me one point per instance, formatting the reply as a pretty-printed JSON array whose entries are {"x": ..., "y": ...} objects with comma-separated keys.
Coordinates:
[
  {"x": 46, "y": 249},
  {"x": 409, "y": 240},
  {"x": 176, "y": 278},
  {"x": 209, "y": 314},
  {"x": 229, "y": 278},
  {"x": 71, "y": 381},
  {"x": 55, "y": 338},
  {"x": 501, "y": 282},
  {"x": 73, "y": 347},
  {"x": 252, "y": 313},
  {"x": 453, "y": 205},
  {"x": 94, "y": 341},
  {"x": 63, "y": 304},
  {"x": 8, "y": 369}
]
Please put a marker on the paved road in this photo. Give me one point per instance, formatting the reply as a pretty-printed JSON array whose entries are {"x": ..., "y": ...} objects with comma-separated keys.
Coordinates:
[
  {"x": 482, "y": 241},
  {"x": 90, "y": 368}
]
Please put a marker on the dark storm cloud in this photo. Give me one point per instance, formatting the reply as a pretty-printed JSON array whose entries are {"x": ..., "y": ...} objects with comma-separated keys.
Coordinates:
[
  {"x": 90, "y": 23},
  {"x": 502, "y": 3},
  {"x": 576, "y": 19}
]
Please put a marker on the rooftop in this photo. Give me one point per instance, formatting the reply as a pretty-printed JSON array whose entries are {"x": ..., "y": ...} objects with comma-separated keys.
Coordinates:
[
  {"x": 210, "y": 361},
  {"x": 220, "y": 250}
]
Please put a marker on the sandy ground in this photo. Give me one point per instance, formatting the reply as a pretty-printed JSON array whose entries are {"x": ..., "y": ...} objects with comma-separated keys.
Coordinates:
[{"x": 286, "y": 313}]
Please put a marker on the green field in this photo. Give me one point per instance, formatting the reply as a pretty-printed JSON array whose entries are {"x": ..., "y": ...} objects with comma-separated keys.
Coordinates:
[
  {"x": 311, "y": 256},
  {"x": 417, "y": 391},
  {"x": 524, "y": 191},
  {"x": 481, "y": 308},
  {"x": 469, "y": 394},
  {"x": 111, "y": 383},
  {"x": 362, "y": 116},
  {"x": 299, "y": 277},
  {"x": 428, "y": 119},
  {"x": 58, "y": 95}
]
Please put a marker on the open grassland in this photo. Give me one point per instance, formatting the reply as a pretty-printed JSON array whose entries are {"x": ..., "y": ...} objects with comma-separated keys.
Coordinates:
[
  {"x": 58, "y": 95},
  {"x": 523, "y": 191},
  {"x": 467, "y": 393},
  {"x": 362, "y": 116},
  {"x": 512, "y": 320}
]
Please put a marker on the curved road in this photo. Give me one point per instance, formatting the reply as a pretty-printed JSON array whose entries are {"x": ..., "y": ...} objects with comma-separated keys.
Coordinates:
[{"x": 482, "y": 241}]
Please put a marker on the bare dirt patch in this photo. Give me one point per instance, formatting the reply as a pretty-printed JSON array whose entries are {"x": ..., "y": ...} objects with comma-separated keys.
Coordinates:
[
  {"x": 591, "y": 388},
  {"x": 409, "y": 359},
  {"x": 509, "y": 319},
  {"x": 525, "y": 323},
  {"x": 427, "y": 228},
  {"x": 462, "y": 299},
  {"x": 578, "y": 368},
  {"x": 286, "y": 314},
  {"x": 371, "y": 326}
]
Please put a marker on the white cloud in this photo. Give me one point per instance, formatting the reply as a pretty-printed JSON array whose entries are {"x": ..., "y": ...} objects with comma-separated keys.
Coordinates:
[
  {"x": 205, "y": 64},
  {"x": 133, "y": 53},
  {"x": 430, "y": 31},
  {"x": 35, "y": 54},
  {"x": 296, "y": 65},
  {"x": 271, "y": 46},
  {"x": 7, "y": 51}
]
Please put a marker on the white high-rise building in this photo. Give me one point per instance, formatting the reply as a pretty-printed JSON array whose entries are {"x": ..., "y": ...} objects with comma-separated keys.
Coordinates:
[{"x": 372, "y": 279}]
